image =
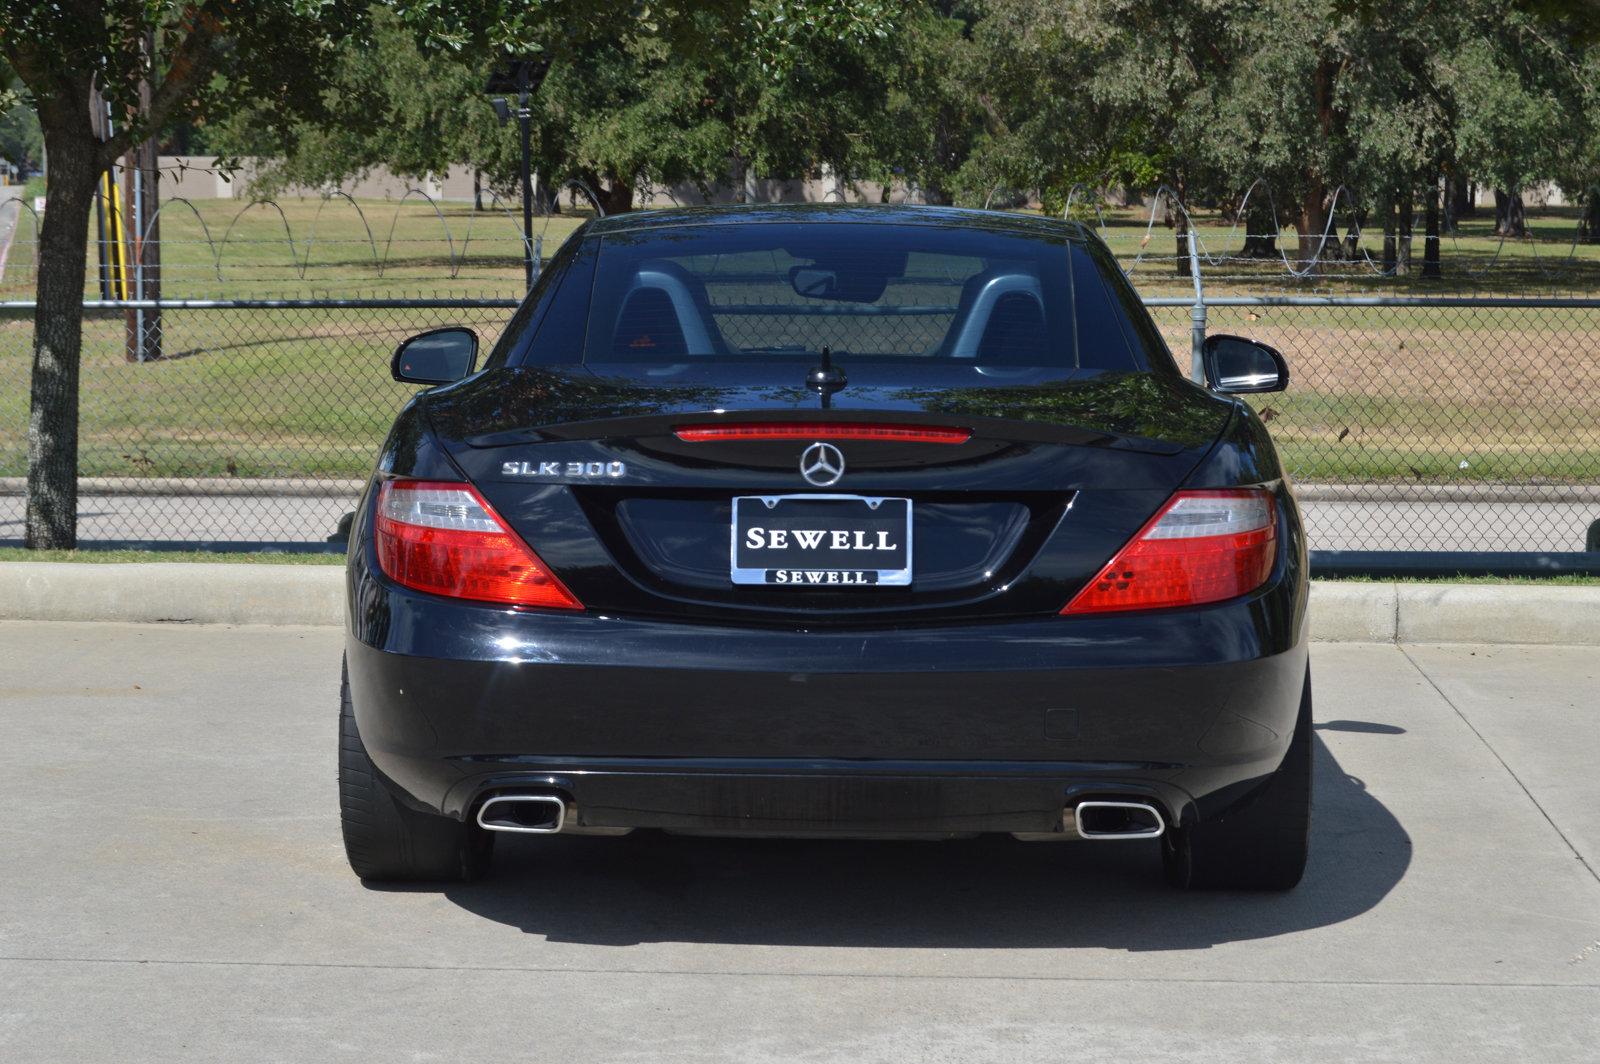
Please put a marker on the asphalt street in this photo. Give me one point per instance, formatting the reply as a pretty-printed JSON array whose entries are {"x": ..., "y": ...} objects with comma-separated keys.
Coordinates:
[
  {"x": 1375, "y": 524},
  {"x": 172, "y": 889},
  {"x": 9, "y": 214}
]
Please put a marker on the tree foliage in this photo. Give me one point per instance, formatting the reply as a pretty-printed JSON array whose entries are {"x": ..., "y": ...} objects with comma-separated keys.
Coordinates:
[
  {"x": 1320, "y": 104},
  {"x": 148, "y": 65},
  {"x": 1326, "y": 106}
]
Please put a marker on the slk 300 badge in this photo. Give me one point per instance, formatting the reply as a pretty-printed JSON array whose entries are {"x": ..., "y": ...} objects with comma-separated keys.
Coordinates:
[{"x": 570, "y": 470}]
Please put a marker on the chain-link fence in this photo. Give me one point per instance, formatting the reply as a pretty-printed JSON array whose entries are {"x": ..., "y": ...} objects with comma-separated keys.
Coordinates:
[
  {"x": 1431, "y": 424},
  {"x": 258, "y": 423},
  {"x": 1458, "y": 424}
]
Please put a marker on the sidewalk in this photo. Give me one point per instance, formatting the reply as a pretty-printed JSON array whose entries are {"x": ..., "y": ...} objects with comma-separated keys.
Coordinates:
[{"x": 176, "y": 894}]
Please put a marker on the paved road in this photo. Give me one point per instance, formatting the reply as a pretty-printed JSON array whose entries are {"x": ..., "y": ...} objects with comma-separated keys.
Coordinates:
[
  {"x": 1331, "y": 525},
  {"x": 173, "y": 890},
  {"x": 9, "y": 213}
]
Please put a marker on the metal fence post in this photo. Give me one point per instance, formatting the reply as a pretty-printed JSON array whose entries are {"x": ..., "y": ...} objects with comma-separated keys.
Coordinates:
[{"x": 1197, "y": 318}]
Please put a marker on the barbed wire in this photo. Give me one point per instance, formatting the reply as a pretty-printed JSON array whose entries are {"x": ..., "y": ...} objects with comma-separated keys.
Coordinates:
[
  {"x": 1315, "y": 262},
  {"x": 1330, "y": 256}
]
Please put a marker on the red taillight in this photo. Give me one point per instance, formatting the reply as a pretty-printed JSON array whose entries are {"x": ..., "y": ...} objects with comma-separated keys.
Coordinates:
[
  {"x": 1203, "y": 546},
  {"x": 820, "y": 430},
  {"x": 443, "y": 538}
]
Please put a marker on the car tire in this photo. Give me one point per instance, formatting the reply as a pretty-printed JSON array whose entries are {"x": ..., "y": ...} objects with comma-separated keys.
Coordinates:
[
  {"x": 385, "y": 840},
  {"x": 1260, "y": 845}
]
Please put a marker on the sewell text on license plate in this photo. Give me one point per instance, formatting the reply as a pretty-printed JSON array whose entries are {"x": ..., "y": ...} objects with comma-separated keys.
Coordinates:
[{"x": 821, "y": 541}]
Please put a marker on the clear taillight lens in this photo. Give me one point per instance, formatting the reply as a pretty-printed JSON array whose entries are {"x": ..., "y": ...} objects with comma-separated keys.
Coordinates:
[
  {"x": 1203, "y": 546},
  {"x": 443, "y": 538}
]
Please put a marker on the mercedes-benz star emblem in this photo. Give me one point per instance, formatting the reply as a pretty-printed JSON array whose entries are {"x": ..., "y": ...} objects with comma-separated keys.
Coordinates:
[{"x": 822, "y": 465}]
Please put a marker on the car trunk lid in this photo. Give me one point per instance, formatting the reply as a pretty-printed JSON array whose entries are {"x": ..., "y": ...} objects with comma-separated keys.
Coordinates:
[{"x": 613, "y": 480}]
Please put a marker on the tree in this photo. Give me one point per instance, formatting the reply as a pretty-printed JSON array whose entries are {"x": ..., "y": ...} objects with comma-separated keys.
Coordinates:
[
  {"x": 932, "y": 114},
  {"x": 665, "y": 96},
  {"x": 73, "y": 54},
  {"x": 21, "y": 142},
  {"x": 387, "y": 102},
  {"x": 1511, "y": 133}
]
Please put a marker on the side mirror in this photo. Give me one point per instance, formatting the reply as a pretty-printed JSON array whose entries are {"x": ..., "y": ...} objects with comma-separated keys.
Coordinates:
[
  {"x": 437, "y": 357},
  {"x": 1239, "y": 366}
]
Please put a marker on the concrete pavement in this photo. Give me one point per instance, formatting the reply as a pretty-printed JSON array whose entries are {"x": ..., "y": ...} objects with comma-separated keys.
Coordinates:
[{"x": 173, "y": 890}]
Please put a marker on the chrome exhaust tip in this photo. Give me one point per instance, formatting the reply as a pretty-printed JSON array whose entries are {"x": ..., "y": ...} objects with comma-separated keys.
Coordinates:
[
  {"x": 526, "y": 814},
  {"x": 1118, "y": 820}
]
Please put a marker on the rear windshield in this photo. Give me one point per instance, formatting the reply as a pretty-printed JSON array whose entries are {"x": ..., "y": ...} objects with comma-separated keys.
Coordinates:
[{"x": 874, "y": 292}]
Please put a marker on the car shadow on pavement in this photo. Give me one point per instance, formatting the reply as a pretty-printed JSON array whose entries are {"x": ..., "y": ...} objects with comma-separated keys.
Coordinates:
[{"x": 980, "y": 893}]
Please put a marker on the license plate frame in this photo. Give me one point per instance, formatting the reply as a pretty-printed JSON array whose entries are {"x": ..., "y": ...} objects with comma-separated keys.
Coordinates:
[{"x": 817, "y": 577}]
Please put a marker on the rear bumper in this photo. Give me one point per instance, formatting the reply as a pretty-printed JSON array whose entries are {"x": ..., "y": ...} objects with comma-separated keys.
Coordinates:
[{"x": 912, "y": 730}]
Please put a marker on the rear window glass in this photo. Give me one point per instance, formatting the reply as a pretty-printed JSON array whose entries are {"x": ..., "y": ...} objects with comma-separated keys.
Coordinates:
[{"x": 870, "y": 292}]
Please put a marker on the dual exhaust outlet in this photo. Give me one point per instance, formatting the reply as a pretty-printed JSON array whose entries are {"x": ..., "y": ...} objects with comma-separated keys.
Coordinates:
[
  {"x": 546, "y": 814},
  {"x": 1111, "y": 820},
  {"x": 524, "y": 814}
]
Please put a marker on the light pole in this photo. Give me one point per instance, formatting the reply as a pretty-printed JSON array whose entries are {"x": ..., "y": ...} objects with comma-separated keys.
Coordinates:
[{"x": 523, "y": 77}]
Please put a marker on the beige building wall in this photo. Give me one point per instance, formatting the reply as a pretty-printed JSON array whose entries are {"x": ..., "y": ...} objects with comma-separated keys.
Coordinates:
[{"x": 196, "y": 177}]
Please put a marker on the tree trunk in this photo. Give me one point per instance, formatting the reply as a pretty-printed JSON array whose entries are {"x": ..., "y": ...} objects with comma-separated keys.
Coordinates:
[
  {"x": 1313, "y": 221},
  {"x": 1458, "y": 202},
  {"x": 1389, "y": 260},
  {"x": 1314, "y": 218},
  {"x": 1180, "y": 225},
  {"x": 617, "y": 196},
  {"x": 1406, "y": 214},
  {"x": 1352, "y": 236},
  {"x": 1260, "y": 237},
  {"x": 1509, "y": 219},
  {"x": 1589, "y": 223},
  {"x": 52, "y": 513},
  {"x": 1430, "y": 240}
]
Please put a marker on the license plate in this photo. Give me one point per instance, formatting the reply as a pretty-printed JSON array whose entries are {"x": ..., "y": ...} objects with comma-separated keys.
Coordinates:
[{"x": 821, "y": 541}]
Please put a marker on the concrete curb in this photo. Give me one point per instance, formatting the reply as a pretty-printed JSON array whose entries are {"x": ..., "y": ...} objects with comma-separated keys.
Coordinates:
[
  {"x": 1358, "y": 612},
  {"x": 1483, "y": 613},
  {"x": 243, "y": 593},
  {"x": 199, "y": 592},
  {"x": 1352, "y": 612}
]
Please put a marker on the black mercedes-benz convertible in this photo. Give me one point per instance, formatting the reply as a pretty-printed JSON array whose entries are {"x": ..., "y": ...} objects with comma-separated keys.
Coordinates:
[{"x": 829, "y": 521}]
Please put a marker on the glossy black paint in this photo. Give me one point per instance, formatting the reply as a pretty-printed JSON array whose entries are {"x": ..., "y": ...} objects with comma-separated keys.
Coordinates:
[
  {"x": 964, "y": 703},
  {"x": 1144, "y": 412}
]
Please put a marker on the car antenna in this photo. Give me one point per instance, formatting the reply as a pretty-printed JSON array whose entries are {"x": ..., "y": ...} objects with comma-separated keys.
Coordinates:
[{"x": 826, "y": 379}]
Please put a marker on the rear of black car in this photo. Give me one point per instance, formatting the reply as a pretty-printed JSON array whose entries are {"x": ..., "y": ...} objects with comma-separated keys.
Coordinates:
[{"x": 827, "y": 521}]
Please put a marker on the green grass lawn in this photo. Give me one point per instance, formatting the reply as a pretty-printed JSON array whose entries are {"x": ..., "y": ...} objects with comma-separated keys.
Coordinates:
[
  {"x": 241, "y": 393},
  {"x": 231, "y": 249},
  {"x": 311, "y": 246},
  {"x": 1378, "y": 393}
]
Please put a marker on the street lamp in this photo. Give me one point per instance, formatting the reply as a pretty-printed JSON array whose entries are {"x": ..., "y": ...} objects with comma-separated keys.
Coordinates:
[{"x": 521, "y": 76}]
